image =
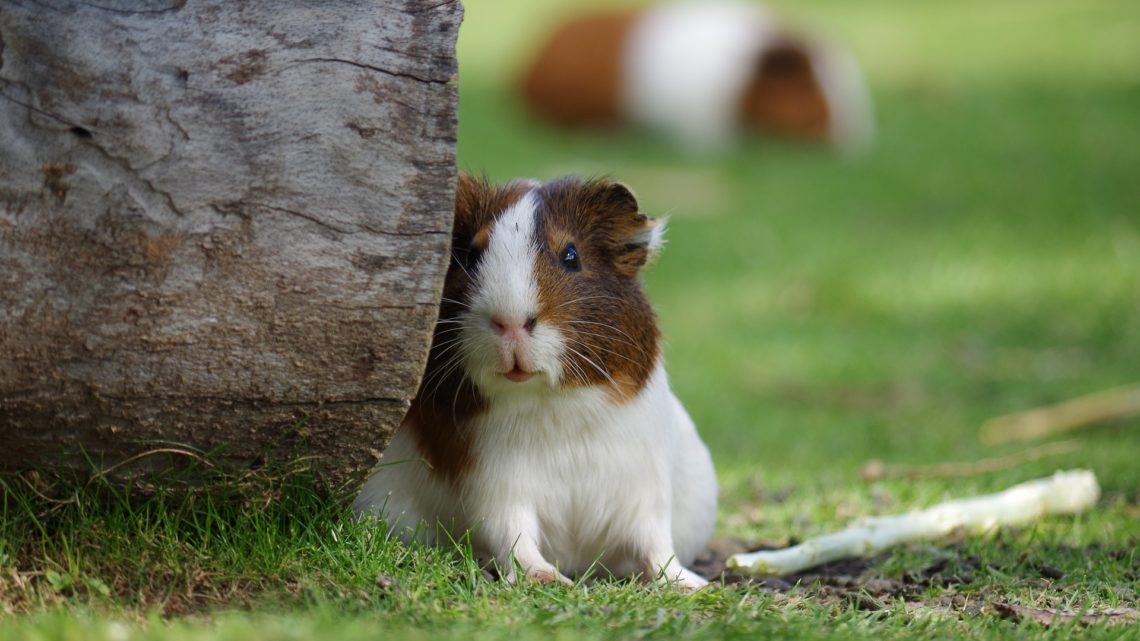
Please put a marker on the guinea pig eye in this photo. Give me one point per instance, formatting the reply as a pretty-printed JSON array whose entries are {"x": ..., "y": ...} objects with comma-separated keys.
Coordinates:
[
  {"x": 570, "y": 258},
  {"x": 466, "y": 257}
]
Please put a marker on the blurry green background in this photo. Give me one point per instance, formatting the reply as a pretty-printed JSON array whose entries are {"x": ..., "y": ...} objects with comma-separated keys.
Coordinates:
[
  {"x": 819, "y": 312},
  {"x": 983, "y": 258}
]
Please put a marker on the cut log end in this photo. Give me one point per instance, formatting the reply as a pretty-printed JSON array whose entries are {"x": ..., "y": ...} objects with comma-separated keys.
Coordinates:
[{"x": 226, "y": 233}]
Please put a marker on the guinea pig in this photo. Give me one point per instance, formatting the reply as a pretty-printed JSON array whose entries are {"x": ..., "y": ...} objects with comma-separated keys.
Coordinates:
[
  {"x": 545, "y": 426},
  {"x": 701, "y": 73}
]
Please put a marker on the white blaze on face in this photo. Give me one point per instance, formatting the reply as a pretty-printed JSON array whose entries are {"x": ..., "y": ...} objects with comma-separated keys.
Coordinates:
[
  {"x": 507, "y": 285},
  {"x": 507, "y": 289}
]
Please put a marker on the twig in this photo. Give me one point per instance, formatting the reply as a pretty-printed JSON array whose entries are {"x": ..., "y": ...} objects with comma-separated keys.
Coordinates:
[
  {"x": 1063, "y": 493},
  {"x": 874, "y": 470},
  {"x": 31, "y": 486},
  {"x": 140, "y": 455},
  {"x": 1083, "y": 411}
]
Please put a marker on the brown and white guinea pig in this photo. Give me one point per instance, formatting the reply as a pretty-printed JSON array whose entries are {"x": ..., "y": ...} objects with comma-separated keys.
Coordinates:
[
  {"x": 701, "y": 72},
  {"x": 545, "y": 425}
]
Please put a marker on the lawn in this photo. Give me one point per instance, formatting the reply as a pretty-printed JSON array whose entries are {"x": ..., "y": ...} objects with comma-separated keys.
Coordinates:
[{"x": 819, "y": 312}]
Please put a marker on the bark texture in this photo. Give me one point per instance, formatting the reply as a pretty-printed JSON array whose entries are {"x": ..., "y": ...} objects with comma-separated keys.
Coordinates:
[{"x": 223, "y": 226}]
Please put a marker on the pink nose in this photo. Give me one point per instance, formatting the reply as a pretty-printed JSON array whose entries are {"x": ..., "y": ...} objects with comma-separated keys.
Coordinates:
[{"x": 503, "y": 325}]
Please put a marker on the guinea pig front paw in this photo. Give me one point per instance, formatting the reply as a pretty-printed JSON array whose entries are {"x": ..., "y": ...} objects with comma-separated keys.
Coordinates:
[
  {"x": 539, "y": 574},
  {"x": 674, "y": 576},
  {"x": 685, "y": 581},
  {"x": 546, "y": 577}
]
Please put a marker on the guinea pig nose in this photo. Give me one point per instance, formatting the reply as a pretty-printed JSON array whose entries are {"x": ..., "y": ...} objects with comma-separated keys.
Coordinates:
[
  {"x": 503, "y": 325},
  {"x": 499, "y": 324}
]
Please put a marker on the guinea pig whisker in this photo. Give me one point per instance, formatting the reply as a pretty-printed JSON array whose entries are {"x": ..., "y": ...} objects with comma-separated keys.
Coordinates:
[
  {"x": 455, "y": 399},
  {"x": 456, "y": 366},
  {"x": 572, "y": 369},
  {"x": 582, "y": 376},
  {"x": 449, "y": 346},
  {"x": 590, "y": 349},
  {"x": 611, "y": 327},
  {"x": 610, "y": 351},
  {"x": 608, "y": 337},
  {"x": 576, "y": 372},
  {"x": 630, "y": 342},
  {"x": 444, "y": 373},
  {"x": 584, "y": 298},
  {"x": 602, "y": 371},
  {"x": 437, "y": 377},
  {"x": 449, "y": 330},
  {"x": 445, "y": 332},
  {"x": 455, "y": 302},
  {"x": 443, "y": 339},
  {"x": 461, "y": 321},
  {"x": 446, "y": 346},
  {"x": 459, "y": 262}
]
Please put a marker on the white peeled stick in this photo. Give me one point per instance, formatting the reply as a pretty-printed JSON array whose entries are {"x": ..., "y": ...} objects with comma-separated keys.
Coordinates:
[{"x": 1067, "y": 492}]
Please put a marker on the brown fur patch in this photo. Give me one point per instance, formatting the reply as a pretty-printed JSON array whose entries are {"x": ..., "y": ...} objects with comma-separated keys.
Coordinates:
[
  {"x": 446, "y": 400},
  {"x": 577, "y": 77},
  {"x": 785, "y": 96},
  {"x": 478, "y": 203},
  {"x": 602, "y": 310}
]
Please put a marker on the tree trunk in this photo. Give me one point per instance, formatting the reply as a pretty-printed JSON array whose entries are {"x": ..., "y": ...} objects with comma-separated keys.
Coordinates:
[{"x": 223, "y": 227}]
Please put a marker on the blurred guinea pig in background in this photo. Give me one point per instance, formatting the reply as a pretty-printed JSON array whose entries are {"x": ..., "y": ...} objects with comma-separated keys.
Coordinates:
[{"x": 702, "y": 73}]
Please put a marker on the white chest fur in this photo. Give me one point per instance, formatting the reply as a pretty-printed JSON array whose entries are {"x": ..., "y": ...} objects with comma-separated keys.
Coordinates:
[{"x": 573, "y": 475}]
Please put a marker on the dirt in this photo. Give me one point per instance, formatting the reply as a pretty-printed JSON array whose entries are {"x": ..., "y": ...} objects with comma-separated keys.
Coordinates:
[
  {"x": 1055, "y": 616},
  {"x": 956, "y": 584},
  {"x": 841, "y": 578}
]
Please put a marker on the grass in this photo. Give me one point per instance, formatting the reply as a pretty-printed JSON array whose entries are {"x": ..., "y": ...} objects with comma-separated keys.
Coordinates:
[{"x": 984, "y": 258}]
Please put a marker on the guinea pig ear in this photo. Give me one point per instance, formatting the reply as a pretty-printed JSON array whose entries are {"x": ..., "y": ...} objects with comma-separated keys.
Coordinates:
[
  {"x": 635, "y": 237},
  {"x": 654, "y": 235},
  {"x": 642, "y": 245},
  {"x": 469, "y": 192}
]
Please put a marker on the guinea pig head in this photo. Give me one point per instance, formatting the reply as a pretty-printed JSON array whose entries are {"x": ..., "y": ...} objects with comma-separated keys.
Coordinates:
[
  {"x": 543, "y": 293},
  {"x": 785, "y": 94}
]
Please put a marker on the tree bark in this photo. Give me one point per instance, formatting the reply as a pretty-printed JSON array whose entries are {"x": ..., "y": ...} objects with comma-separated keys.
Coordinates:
[{"x": 223, "y": 227}]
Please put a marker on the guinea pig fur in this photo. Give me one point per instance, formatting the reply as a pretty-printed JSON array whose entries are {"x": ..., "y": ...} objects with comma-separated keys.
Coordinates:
[
  {"x": 545, "y": 425},
  {"x": 701, "y": 73}
]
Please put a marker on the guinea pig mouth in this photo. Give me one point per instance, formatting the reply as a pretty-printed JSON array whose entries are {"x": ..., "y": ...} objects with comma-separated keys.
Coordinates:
[{"x": 518, "y": 374}]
